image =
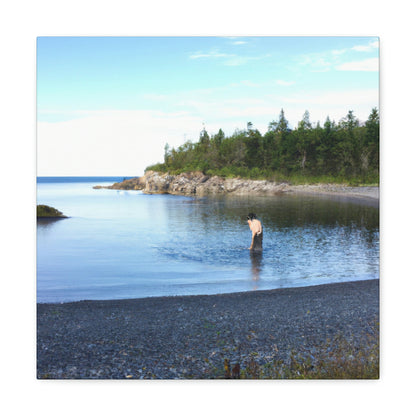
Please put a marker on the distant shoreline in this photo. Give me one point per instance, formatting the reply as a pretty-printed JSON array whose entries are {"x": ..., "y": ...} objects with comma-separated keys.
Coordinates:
[{"x": 199, "y": 184}]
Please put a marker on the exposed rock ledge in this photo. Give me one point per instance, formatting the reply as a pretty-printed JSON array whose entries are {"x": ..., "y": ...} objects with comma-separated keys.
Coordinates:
[{"x": 198, "y": 184}]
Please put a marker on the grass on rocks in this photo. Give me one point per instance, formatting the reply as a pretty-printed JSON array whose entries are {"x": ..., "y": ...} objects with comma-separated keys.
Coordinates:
[
  {"x": 44, "y": 211},
  {"x": 338, "y": 358}
]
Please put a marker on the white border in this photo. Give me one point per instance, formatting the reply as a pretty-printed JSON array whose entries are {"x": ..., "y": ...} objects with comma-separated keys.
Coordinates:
[{"x": 22, "y": 22}]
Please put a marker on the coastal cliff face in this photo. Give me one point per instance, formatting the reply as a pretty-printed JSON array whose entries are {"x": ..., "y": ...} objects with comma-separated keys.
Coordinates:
[{"x": 197, "y": 184}]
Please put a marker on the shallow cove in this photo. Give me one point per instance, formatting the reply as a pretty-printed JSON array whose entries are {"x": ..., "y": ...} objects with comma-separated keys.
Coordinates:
[{"x": 125, "y": 244}]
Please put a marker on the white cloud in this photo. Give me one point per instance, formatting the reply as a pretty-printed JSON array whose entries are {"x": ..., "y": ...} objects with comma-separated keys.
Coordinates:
[
  {"x": 155, "y": 97},
  {"x": 110, "y": 142},
  {"x": 237, "y": 61},
  {"x": 337, "y": 52},
  {"x": 126, "y": 142},
  {"x": 361, "y": 48},
  {"x": 370, "y": 64},
  {"x": 213, "y": 54},
  {"x": 245, "y": 83},
  {"x": 242, "y": 60},
  {"x": 284, "y": 83},
  {"x": 334, "y": 104},
  {"x": 366, "y": 48},
  {"x": 229, "y": 59},
  {"x": 327, "y": 60},
  {"x": 316, "y": 62},
  {"x": 239, "y": 42},
  {"x": 348, "y": 98}
]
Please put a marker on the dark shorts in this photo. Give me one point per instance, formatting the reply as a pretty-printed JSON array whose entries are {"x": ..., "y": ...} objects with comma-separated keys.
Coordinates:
[{"x": 258, "y": 242}]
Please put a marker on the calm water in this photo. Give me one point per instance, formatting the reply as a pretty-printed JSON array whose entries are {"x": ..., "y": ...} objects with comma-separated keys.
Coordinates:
[{"x": 125, "y": 244}]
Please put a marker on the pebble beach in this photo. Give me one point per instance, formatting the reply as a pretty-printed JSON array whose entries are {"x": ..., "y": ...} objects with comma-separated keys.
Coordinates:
[{"x": 190, "y": 337}]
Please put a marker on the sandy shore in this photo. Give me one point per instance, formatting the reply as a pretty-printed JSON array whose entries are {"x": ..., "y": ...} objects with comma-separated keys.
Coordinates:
[{"x": 190, "y": 336}]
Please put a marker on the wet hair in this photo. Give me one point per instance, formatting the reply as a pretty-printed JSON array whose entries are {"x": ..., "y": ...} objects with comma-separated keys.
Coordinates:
[{"x": 251, "y": 216}]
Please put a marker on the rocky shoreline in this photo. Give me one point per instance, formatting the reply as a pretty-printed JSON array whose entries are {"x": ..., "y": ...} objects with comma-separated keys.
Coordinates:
[{"x": 199, "y": 184}]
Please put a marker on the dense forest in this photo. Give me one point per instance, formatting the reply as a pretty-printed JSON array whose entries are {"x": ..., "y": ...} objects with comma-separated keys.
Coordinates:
[{"x": 347, "y": 151}]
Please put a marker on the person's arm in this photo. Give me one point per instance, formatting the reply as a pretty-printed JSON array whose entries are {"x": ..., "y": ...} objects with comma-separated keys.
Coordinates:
[
  {"x": 250, "y": 224},
  {"x": 252, "y": 239}
]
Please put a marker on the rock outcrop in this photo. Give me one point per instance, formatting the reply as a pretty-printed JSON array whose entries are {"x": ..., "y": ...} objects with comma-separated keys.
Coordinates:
[
  {"x": 135, "y": 184},
  {"x": 197, "y": 184},
  {"x": 45, "y": 211}
]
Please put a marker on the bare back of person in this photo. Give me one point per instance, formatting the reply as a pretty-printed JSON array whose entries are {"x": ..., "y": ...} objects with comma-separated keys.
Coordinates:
[{"x": 257, "y": 232}]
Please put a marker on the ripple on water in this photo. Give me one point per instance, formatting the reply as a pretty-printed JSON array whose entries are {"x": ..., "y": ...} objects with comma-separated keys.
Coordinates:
[{"x": 117, "y": 245}]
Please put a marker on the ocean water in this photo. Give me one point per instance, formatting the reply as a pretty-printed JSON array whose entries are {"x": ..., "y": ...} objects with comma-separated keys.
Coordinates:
[{"x": 126, "y": 244}]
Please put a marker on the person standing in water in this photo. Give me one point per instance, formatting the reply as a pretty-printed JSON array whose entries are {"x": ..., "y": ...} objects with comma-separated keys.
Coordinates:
[{"x": 257, "y": 232}]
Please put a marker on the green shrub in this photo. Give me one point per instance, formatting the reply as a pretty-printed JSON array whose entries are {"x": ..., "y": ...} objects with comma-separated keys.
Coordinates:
[
  {"x": 47, "y": 211},
  {"x": 338, "y": 358}
]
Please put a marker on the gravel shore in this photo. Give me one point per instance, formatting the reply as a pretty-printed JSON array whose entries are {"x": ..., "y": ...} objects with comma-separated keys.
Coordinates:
[
  {"x": 190, "y": 336},
  {"x": 361, "y": 192}
]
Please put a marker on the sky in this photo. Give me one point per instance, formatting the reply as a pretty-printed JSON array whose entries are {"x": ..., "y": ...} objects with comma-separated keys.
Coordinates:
[{"x": 106, "y": 106}]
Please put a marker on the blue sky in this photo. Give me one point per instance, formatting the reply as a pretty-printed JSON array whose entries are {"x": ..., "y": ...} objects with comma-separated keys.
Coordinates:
[{"x": 98, "y": 94}]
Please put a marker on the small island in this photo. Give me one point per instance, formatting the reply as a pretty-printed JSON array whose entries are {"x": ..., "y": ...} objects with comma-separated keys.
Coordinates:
[{"x": 47, "y": 212}]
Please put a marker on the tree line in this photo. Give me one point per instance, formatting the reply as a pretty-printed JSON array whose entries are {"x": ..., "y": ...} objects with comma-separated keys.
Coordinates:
[{"x": 343, "y": 151}]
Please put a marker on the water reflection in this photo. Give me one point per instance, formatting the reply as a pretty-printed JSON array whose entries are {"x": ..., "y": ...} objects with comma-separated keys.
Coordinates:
[
  {"x": 290, "y": 210},
  {"x": 308, "y": 236},
  {"x": 256, "y": 258},
  {"x": 151, "y": 245},
  {"x": 46, "y": 223}
]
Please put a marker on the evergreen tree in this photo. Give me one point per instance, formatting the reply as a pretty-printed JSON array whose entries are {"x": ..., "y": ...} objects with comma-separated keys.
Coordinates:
[
  {"x": 280, "y": 154},
  {"x": 325, "y": 153},
  {"x": 343, "y": 150},
  {"x": 373, "y": 127},
  {"x": 218, "y": 138},
  {"x": 372, "y": 139},
  {"x": 303, "y": 141},
  {"x": 203, "y": 137},
  {"x": 253, "y": 146}
]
